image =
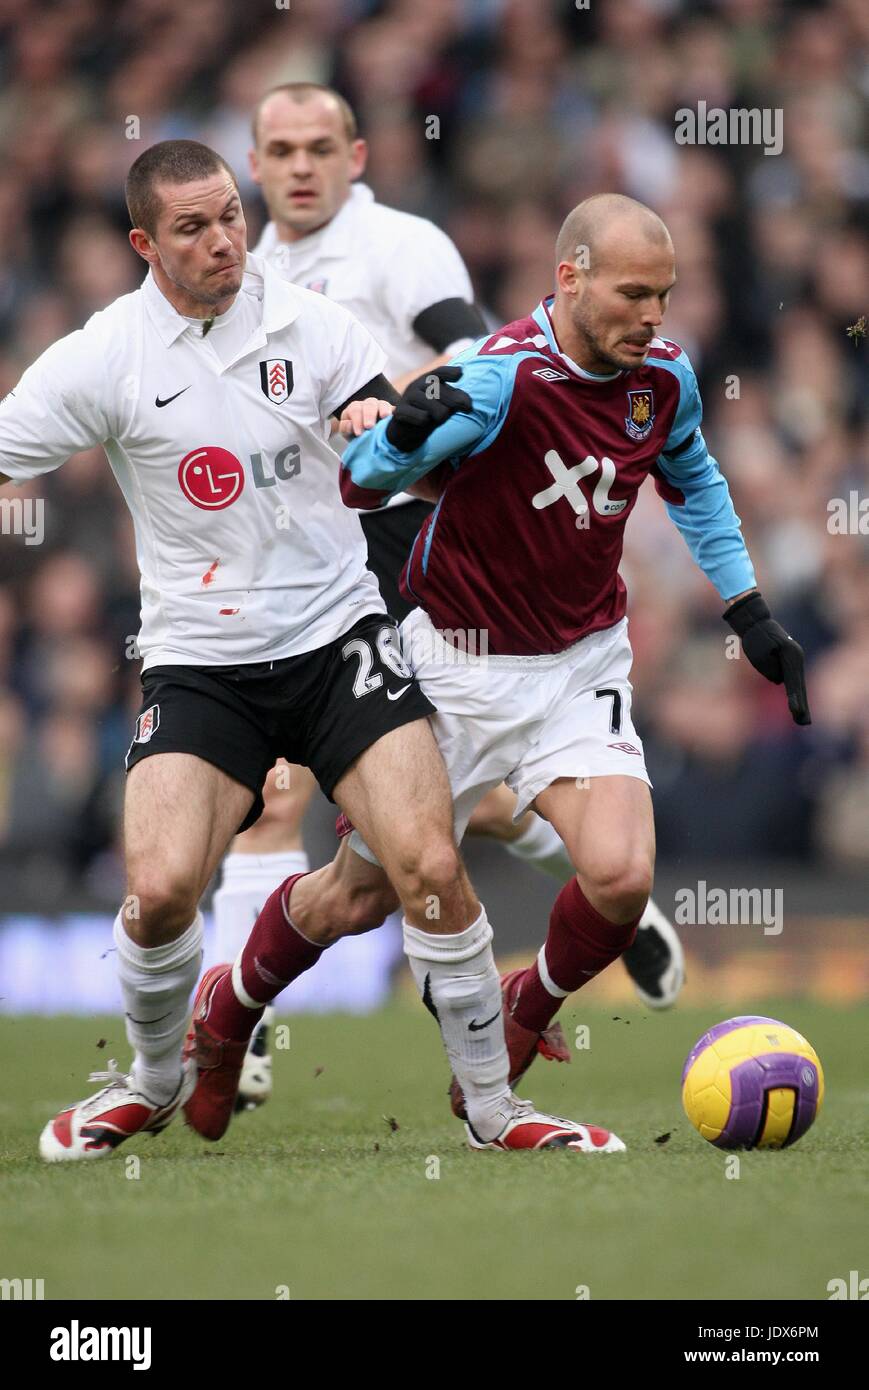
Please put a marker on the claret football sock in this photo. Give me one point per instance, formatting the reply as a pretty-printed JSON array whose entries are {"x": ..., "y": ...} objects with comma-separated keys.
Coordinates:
[
  {"x": 247, "y": 880},
  {"x": 274, "y": 955},
  {"x": 156, "y": 984},
  {"x": 579, "y": 945},
  {"x": 459, "y": 984}
]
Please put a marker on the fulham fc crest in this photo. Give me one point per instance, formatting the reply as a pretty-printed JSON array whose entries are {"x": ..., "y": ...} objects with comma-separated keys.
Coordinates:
[
  {"x": 147, "y": 724},
  {"x": 276, "y": 379}
]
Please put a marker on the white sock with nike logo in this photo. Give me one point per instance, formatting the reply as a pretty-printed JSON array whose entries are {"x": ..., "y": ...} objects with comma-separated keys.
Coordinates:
[
  {"x": 156, "y": 984},
  {"x": 459, "y": 983}
]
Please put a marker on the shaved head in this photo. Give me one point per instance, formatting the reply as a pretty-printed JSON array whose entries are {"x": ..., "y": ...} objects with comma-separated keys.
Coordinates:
[
  {"x": 597, "y": 222},
  {"x": 615, "y": 268}
]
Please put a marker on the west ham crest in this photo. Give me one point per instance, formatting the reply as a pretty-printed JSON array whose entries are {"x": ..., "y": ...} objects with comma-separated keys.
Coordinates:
[
  {"x": 640, "y": 419},
  {"x": 276, "y": 379}
]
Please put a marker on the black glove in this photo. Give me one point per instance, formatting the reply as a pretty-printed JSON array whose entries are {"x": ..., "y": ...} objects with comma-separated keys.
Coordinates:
[
  {"x": 771, "y": 651},
  {"x": 424, "y": 406}
]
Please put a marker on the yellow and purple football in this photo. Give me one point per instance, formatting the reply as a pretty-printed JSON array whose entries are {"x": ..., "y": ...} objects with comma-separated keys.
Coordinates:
[{"x": 752, "y": 1083}]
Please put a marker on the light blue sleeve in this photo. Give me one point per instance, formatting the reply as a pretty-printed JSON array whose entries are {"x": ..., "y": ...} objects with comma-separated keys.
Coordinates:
[
  {"x": 707, "y": 518},
  {"x": 374, "y": 464}
]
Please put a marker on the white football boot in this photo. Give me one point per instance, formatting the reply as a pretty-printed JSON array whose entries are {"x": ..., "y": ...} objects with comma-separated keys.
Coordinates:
[
  {"x": 255, "y": 1086},
  {"x": 95, "y": 1127},
  {"x": 656, "y": 961},
  {"x": 528, "y": 1128}
]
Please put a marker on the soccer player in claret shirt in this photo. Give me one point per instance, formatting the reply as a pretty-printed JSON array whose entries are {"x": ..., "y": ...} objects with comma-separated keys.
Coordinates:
[
  {"x": 536, "y": 444},
  {"x": 212, "y": 389},
  {"x": 405, "y": 281}
]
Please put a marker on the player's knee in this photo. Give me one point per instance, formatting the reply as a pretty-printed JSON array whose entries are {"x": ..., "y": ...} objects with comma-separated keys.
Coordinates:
[
  {"x": 622, "y": 886},
  {"x": 429, "y": 870},
  {"x": 159, "y": 905}
]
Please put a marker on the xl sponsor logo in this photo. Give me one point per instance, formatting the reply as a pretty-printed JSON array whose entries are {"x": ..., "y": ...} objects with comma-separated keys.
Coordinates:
[
  {"x": 212, "y": 478},
  {"x": 567, "y": 485}
]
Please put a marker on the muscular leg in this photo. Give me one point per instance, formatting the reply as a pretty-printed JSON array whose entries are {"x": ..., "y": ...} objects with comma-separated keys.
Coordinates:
[
  {"x": 655, "y": 961},
  {"x": 609, "y": 833},
  {"x": 263, "y": 856},
  {"x": 179, "y": 814},
  {"x": 397, "y": 795}
]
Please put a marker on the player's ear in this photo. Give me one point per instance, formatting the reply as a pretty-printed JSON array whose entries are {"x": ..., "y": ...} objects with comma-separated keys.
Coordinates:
[
  {"x": 358, "y": 158},
  {"x": 567, "y": 277},
  {"x": 253, "y": 164},
  {"x": 143, "y": 245}
]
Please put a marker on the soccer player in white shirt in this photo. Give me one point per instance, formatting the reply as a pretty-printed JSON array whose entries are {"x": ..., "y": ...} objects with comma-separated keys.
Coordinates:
[
  {"x": 405, "y": 280},
  {"x": 263, "y": 634}
]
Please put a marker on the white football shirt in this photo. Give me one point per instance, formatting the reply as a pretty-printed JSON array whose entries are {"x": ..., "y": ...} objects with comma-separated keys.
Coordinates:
[{"x": 220, "y": 447}]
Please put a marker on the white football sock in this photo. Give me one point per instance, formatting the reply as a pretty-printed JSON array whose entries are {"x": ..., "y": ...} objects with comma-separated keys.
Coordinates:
[
  {"x": 248, "y": 879},
  {"x": 458, "y": 980},
  {"x": 156, "y": 984},
  {"x": 542, "y": 846}
]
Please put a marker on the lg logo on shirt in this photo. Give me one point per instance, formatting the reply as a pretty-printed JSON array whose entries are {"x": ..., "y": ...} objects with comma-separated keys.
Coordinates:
[{"x": 212, "y": 478}]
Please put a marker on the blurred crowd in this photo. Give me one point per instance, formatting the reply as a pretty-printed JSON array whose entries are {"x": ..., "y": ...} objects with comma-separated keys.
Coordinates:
[{"x": 493, "y": 117}]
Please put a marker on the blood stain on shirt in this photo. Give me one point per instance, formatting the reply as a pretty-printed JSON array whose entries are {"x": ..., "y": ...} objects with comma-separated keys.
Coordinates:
[{"x": 208, "y": 576}]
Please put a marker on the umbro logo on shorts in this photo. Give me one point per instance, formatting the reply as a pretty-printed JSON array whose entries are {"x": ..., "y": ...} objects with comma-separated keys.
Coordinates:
[
  {"x": 147, "y": 724},
  {"x": 625, "y": 748}
]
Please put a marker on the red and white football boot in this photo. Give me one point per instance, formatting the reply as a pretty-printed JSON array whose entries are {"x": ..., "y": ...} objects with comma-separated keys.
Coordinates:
[
  {"x": 528, "y": 1128},
  {"x": 95, "y": 1127},
  {"x": 522, "y": 1044},
  {"x": 218, "y": 1062}
]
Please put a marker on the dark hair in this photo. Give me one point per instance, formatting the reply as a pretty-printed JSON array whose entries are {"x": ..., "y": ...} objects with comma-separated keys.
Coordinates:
[
  {"x": 303, "y": 91},
  {"x": 170, "y": 161}
]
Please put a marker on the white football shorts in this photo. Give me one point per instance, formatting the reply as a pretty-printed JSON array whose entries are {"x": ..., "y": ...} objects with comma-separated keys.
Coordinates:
[{"x": 524, "y": 720}]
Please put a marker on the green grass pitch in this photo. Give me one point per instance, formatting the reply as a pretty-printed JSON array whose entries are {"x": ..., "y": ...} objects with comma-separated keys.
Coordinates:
[{"x": 328, "y": 1192}]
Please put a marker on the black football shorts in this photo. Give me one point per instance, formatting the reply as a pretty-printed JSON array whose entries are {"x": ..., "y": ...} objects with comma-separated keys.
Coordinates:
[{"x": 321, "y": 709}]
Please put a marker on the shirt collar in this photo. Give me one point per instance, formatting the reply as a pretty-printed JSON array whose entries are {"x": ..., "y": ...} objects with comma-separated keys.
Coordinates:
[
  {"x": 543, "y": 318},
  {"x": 281, "y": 303}
]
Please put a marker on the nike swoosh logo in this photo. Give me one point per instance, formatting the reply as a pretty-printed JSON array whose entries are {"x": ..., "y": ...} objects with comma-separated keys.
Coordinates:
[
  {"x": 476, "y": 1027},
  {"x": 143, "y": 1021},
  {"x": 169, "y": 399},
  {"x": 396, "y": 694}
]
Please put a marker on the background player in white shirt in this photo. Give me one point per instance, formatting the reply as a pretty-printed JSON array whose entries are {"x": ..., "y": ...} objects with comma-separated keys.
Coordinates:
[
  {"x": 263, "y": 634},
  {"x": 405, "y": 280}
]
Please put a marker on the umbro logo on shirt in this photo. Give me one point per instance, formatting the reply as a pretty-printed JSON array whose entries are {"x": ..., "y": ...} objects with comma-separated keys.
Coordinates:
[{"x": 550, "y": 374}]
